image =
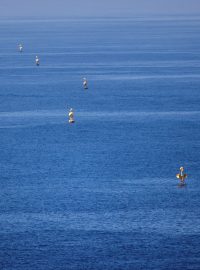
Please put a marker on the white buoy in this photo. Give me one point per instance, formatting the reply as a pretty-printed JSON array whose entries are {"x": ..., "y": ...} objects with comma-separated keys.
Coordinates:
[
  {"x": 20, "y": 48},
  {"x": 71, "y": 116},
  {"x": 85, "y": 83},
  {"x": 37, "y": 61}
]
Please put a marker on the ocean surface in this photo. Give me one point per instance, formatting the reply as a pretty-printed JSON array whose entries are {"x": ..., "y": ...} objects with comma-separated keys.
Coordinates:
[{"x": 100, "y": 194}]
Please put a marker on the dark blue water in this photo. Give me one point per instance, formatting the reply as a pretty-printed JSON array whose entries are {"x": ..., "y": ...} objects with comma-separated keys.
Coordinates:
[{"x": 100, "y": 194}]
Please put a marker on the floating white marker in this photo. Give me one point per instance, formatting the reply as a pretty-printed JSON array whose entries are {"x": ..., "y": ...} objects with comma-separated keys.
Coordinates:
[
  {"x": 37, "y": 61},
  {"x": 71, "y": 116},
  {"x": 85, "y": 84},
  {"x": 20, "y": 48}
]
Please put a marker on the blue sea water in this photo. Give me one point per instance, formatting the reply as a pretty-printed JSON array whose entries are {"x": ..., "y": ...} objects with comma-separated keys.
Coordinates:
[{"x": 100, "y": 194}]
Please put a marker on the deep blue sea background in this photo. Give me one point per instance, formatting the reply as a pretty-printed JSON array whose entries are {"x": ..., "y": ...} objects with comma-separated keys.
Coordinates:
[{"x": 100, "y": 194}]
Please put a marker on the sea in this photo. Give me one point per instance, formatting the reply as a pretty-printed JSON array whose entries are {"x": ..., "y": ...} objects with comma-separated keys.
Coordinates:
[{"x": 102, "y": 193}]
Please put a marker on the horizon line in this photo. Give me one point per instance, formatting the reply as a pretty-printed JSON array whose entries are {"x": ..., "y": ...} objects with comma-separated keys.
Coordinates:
[{"x": 134, "y": 16}]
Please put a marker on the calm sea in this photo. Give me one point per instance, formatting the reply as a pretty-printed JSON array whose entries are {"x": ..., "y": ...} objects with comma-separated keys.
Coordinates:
[{"x": 100, "y": 194}]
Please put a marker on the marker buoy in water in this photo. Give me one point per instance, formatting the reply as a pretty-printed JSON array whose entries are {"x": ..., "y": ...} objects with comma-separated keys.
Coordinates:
[
  {"x": 71, "y": 116},
  {"x": 37, "y": 61},
  {"x": 85, "y": 83},
  {"x": 181, "y": 176},
  {"x": 20, "y": 48}
]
